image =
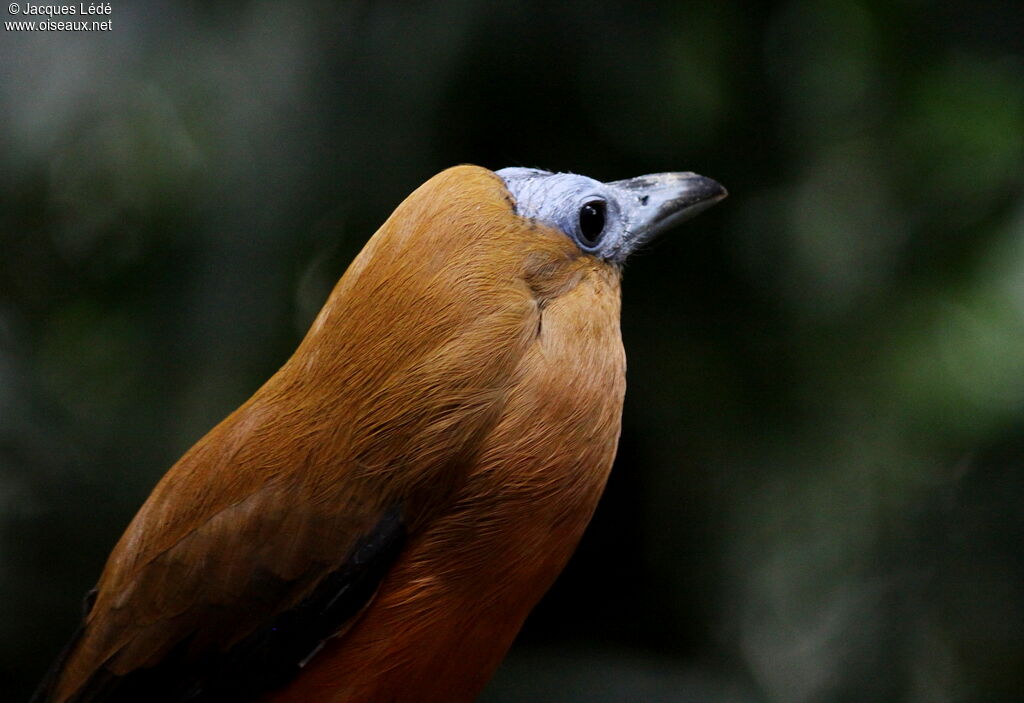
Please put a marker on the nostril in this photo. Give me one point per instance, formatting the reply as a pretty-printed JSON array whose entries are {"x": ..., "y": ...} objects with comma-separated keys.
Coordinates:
[{"x": 643, "y": 199}]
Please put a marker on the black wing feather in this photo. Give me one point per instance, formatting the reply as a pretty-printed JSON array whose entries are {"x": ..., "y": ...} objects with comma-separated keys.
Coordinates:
[{"x": 263, "y": 661}]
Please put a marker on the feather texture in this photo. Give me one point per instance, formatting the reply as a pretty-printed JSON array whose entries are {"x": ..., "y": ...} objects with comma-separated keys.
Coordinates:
[{"x": 467, "y": 371}]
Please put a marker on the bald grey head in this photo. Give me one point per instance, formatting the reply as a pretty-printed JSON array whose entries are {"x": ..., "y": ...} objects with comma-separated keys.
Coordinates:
[{"x": 610, "y": 220}]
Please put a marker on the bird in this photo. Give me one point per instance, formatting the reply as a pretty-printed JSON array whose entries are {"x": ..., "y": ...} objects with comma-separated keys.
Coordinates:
[{"x": 376, "y": 522}]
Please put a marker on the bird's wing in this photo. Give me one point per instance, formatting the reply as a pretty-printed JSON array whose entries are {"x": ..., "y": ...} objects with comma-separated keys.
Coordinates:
[{"x": 223, "y": 602}]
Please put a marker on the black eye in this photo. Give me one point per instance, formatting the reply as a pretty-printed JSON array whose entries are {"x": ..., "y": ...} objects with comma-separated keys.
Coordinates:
[{"x": 592, "y": 222}]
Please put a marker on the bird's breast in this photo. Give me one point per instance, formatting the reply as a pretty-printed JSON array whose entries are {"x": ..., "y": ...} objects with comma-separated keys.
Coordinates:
[{"x": 456, "y": 599}]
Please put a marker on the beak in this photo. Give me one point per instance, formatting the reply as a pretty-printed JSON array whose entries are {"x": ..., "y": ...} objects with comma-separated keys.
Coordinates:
[{"x": 654, "y": 203}]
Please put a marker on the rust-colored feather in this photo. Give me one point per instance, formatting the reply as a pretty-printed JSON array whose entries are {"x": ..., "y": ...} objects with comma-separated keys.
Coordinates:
[{"x": 467, "y": 369}]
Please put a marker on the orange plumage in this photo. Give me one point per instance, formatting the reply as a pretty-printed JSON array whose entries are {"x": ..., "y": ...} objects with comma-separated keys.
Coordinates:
[{"x": 377, "y": 521}]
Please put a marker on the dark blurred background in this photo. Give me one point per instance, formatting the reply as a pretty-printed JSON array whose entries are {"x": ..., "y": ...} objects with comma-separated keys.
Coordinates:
[{"x": 819, "y": 486}]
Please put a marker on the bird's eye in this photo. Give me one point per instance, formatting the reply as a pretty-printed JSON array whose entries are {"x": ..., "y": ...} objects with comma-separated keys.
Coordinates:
[{"x": 592, "y": 222}]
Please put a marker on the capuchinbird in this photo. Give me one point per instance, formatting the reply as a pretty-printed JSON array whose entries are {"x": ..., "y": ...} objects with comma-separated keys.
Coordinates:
[{"x": 377, "y": 520}]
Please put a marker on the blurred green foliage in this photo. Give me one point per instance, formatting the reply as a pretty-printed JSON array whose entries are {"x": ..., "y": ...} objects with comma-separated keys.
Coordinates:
[{"x": 819, "y": 487}]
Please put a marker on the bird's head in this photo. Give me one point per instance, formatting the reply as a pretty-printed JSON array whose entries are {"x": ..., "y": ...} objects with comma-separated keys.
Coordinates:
[{"x": 609, "y": 220}]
